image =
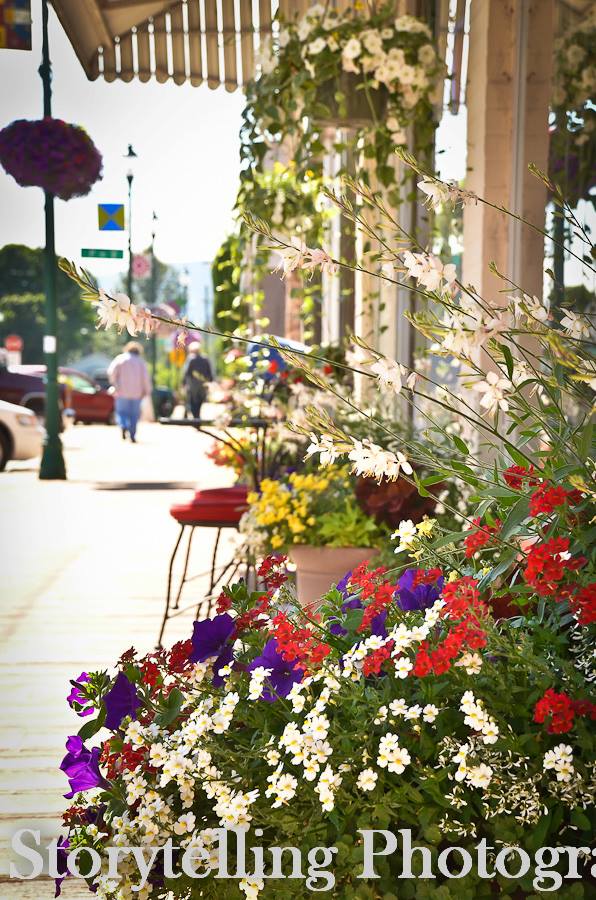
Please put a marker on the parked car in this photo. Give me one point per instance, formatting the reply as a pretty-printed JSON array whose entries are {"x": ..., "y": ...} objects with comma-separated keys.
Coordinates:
[
  {"x": 21, "y": 435},
  {"x": 25, "y": 385}
]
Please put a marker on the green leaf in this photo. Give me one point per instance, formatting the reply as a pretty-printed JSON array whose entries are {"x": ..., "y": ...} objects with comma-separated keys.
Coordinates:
[
  {"x": 517, "y": 514},
  {"x": 92, "y": 727},
  {"x": 171, "y": 709},
  {"x": 461, "y": 445},
  {"x": 508, "y": 359}
]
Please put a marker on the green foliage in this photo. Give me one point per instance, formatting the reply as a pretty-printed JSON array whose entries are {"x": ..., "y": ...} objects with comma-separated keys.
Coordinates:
[
  {"x": 22, "y": 305},
  {"x": 229, "y": 311}
]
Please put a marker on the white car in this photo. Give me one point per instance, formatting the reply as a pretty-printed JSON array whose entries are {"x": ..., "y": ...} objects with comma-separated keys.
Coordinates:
[{"x": 21, "y": 435}]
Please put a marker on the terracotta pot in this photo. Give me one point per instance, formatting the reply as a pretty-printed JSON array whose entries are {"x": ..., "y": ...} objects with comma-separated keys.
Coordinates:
[{"x": 318, "y": 568}]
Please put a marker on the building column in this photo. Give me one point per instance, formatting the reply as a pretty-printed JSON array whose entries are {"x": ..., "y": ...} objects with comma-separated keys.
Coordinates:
[{"x": 508, "y": 97}]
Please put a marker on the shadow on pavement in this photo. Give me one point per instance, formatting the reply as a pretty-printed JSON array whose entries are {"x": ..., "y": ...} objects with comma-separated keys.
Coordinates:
[{"x": 146, "y": 486}]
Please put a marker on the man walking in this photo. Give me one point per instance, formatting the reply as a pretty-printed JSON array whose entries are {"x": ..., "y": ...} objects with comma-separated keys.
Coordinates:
[
  {"x": 195, "y": 376},
  {"x": 130, "y": 378}
]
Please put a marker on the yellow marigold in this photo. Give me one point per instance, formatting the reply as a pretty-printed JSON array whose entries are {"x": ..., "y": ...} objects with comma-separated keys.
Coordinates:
[{"x": 276, "y": 541}]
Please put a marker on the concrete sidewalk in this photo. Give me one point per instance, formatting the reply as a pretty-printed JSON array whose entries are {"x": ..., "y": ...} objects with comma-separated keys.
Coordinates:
[{"x": 83, "y": 573}]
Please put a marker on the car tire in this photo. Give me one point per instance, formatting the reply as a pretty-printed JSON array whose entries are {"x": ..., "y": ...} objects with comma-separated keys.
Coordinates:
[
  {"x": 111, "y": 420},
  {"x": 5, "y": 449}
]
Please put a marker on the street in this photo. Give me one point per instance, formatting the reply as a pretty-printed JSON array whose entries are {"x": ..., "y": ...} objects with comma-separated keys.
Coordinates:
[{"x": 84, "y": 566}]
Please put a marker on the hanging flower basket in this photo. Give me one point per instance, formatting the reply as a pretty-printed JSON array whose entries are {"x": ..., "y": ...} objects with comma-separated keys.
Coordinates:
[
  {"x": 357, "y": 108},
  {"x": 50, "y": 154}
]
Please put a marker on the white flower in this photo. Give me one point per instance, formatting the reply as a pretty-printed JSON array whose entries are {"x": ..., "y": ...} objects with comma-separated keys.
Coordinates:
[
  {"x": 429, "y": 271},
  {"x": 426, "y": 54},
  {"x": 389, "y": 374},
  {"x": 325, "y": 447},
  {"x": 411, "y": 24},
  {"x": 403, "y": 666},
  {"x": 352, "y": 49},
  {"x": 370, "y": 459},
  {"x": 398, "y": 707},
  {"x": 185, "y": 824},
  {"x": 480, "y": 776},
  {"x": 407, "y": 534},
  {"x": 367, "y": 780},
  {"x": 430, "y": 712},
  {"x": 439, "y": 192},
  {"x": 291, "y": 258},
  {"x": 304, "y": 28},
  {"x": 471, "y": 662},
  {"x": 283, "y": 37},
  {"x": 320, "y": 258},
  {"x": 257, "y": 679},
  {"x": 372, "y": 41},
  {"x": 575, "y": 325},
  {"x": 116, "y": 310},
  {"x": 316, "y": 46},
  {"x": 251, "y": 887},
  {"x": 494, "y": 388}
]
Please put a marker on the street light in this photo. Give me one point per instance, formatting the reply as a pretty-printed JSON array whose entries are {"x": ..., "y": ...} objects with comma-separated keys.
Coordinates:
[
  {"x": 153, "y": 299},
  {"x": 52, "y": 461},
  {"x": 130, "y": 155}
]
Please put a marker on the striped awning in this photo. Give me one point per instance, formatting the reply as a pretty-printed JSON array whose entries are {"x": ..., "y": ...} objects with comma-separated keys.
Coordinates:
[{"x": 212, "y": 41}]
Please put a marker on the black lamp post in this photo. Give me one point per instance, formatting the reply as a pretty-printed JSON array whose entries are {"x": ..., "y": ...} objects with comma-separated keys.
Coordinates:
[
  {"x": 52, "y": 461},
  {"x": 130, "y": 155}
]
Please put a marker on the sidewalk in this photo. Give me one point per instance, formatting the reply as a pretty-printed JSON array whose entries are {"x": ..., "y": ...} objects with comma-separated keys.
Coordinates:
[{"x": 84, "y": 568}]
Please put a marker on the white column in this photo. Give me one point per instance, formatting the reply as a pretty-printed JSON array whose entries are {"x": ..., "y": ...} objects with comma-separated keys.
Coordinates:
[{"x": 508, "y": 93}]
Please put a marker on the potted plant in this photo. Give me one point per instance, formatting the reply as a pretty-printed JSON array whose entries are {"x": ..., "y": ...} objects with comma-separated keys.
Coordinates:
[{"x": 318, "y": 521}]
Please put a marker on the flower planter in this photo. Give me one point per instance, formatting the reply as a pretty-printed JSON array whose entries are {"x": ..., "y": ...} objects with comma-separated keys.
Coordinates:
[
  {"x": 50, "y": 154},
  {"x": 317, "y": 568},
  {"x": 362, "y": 107}
]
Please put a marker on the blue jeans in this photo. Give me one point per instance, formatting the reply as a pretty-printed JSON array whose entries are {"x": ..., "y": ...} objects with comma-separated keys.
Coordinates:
[{"x": 128, "y": 411}]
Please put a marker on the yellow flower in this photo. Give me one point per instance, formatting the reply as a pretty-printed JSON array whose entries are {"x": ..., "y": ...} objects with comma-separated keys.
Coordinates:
[
  {"x": 426, "y": 527},
  {"x": 276, "y": 541}
]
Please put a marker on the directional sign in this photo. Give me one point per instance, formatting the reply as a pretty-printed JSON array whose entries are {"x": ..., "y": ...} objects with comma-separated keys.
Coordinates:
[
  {"x": 103, "y": 254},
  {"x": 110, "y": 216}
]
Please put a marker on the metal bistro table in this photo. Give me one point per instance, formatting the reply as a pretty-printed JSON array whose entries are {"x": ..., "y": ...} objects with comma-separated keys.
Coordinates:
[
  {"x": 211, "y": 427},
  {"x": 200, "y": 513}
]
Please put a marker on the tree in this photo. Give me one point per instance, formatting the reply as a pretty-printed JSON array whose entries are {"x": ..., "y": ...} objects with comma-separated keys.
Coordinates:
[{"x": 22, "y": 305}]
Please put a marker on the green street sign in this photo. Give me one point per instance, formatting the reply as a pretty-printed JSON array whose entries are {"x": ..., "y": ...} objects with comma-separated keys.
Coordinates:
[{"x": 104, "y": 254}]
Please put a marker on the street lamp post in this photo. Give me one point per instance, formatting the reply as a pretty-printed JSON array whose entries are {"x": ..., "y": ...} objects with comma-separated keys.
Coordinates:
[
  {"x": 52, "y": 461},
  {"x": 130, "y": 155},
  {"x": 153, "y": 300}
]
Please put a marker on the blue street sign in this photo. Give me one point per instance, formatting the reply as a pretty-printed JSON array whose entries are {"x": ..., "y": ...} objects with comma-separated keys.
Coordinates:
[{"x": 110, "y": 216}]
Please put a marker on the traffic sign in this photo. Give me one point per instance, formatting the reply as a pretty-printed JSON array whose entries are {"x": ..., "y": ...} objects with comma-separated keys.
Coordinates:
[
  {"x": 103, "y": 254},
  {"x": 110, "y": 216},
  {"x": 13, "y": 343}
]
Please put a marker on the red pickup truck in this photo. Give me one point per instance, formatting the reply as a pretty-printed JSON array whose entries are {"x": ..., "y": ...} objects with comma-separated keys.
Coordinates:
[{"x": 25, "y": 386}]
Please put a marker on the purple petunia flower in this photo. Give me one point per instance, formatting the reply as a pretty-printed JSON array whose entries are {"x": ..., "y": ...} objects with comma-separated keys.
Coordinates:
[
  {"x": 284, "y": 675},
  {"x": 120, "y": 701},
  {"x": 211, "y": 637},
  {"x": 336, "y": 628},
  {"x": 81, "y": 766},
  {"x": 420, "y": 597},
  {"x": 77, "y": 697},
  {"x": 342, "y": 586}
]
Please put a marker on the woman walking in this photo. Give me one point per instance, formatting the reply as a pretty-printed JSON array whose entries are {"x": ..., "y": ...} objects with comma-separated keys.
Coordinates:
[{"x": 130, "y": 377}]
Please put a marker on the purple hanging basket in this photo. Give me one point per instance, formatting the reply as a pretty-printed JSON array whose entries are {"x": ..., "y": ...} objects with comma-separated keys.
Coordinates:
[{"x": 50, "y": 154}]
